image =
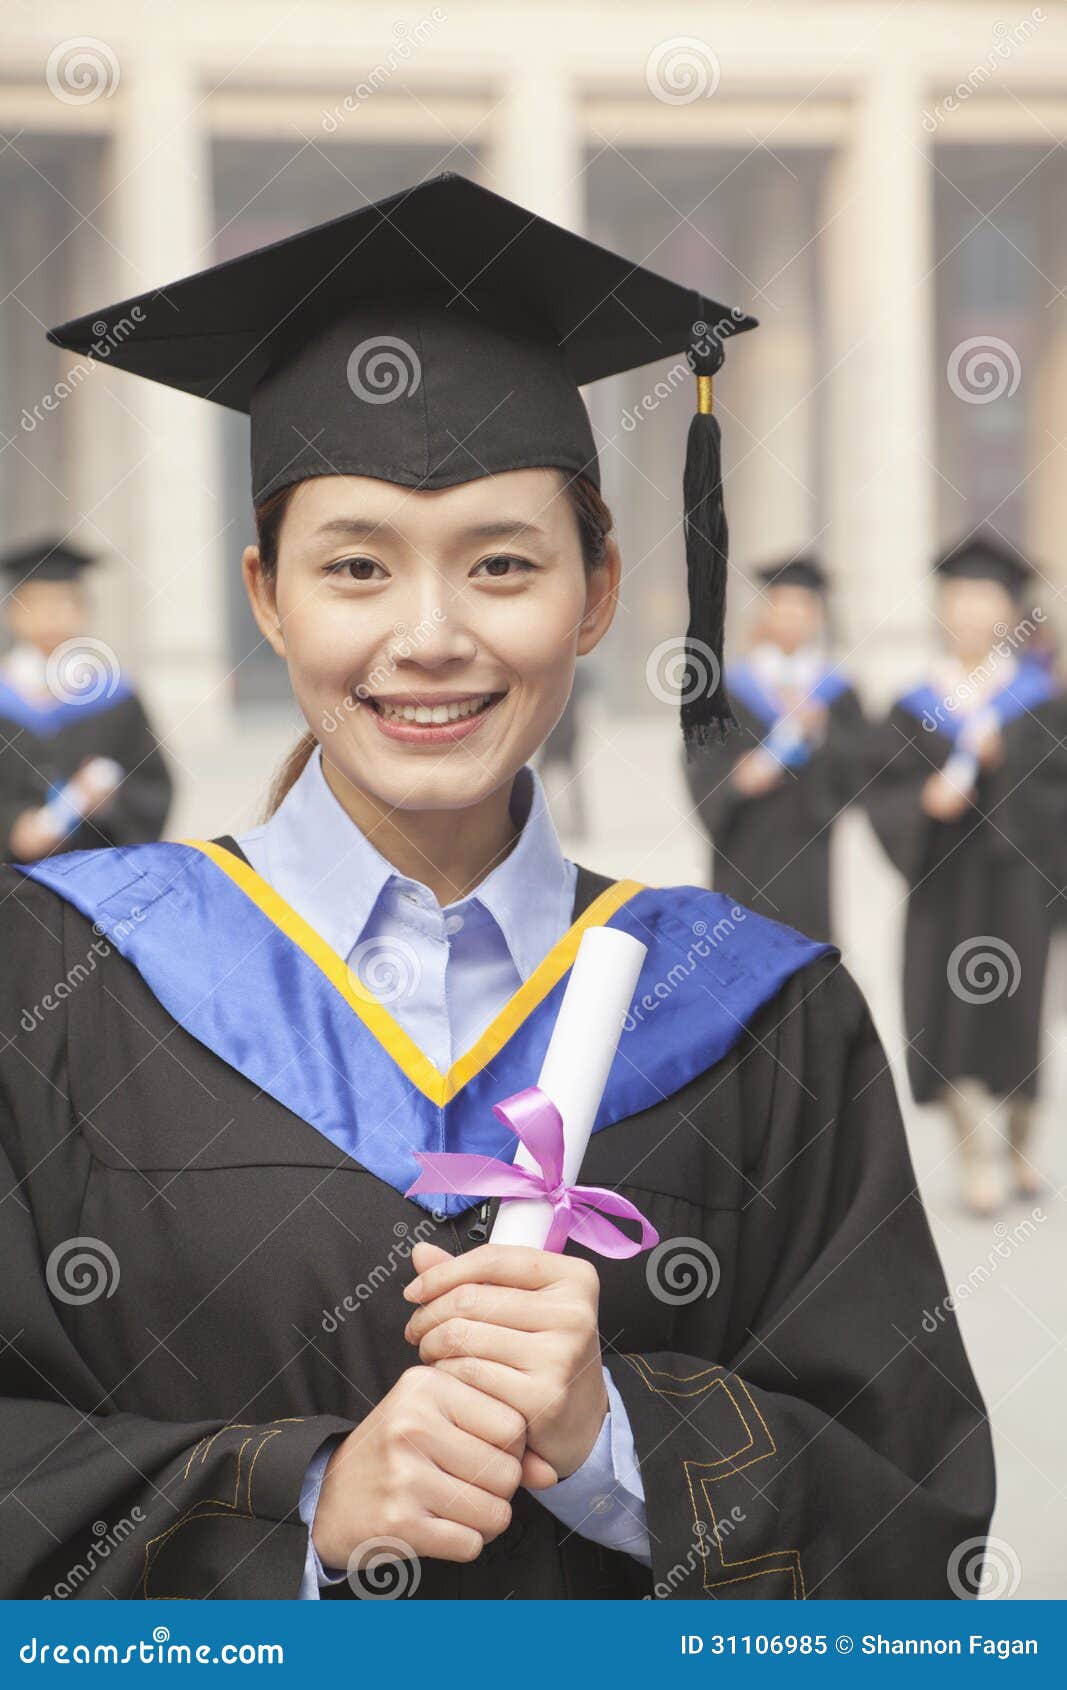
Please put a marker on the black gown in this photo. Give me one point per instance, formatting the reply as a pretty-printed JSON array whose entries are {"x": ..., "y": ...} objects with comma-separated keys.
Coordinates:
[
  {"x": 981, "y": 901},
  {"x": 800, "y": 1432},
  {"x": 772, "y": 852},
  {"x": 34, "y": 763}
]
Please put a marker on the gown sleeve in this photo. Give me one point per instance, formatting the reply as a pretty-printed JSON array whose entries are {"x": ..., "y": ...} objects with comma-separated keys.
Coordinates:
[
  {"x": 900, "y": 757},
  {"x": 138, "y": 810},
  {"x": 837, "y": 1445},
  {"x": 97, "y": 1502},
  {"x": 846, "y": 748}
]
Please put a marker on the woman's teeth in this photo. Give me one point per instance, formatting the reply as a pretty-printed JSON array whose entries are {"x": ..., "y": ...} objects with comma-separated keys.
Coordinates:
[{"x": 434, "y": 713}]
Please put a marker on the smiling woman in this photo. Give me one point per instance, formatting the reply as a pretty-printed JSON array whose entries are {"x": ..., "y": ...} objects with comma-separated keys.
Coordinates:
[
  {"x": 572, "y": 518},
  {"x": 214, "y": 1141}
]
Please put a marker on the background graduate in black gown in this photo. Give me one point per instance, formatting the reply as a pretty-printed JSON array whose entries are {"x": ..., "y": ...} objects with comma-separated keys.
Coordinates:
[
  {"x": 966, "y": 795},
  {"x": 768, "y": 797},
  {"x": 80, "y": 765},
  {"x": 226, "y": 1125}
]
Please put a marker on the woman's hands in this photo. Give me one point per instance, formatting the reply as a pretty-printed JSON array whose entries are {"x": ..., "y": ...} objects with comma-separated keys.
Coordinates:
[
  {"x": 519, "y": 1325},
  {"x": 434, "y": 1464}
]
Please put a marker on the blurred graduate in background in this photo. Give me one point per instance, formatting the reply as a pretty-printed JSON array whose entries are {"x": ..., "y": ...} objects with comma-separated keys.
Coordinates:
[
  {"x": 79, "y": 763},
  {"x": 967, "y": 777},
  {"x": 769, "y": 795}
]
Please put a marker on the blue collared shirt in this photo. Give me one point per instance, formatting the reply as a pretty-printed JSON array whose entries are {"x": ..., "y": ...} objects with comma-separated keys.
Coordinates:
[{"x": 444, "y": 974}]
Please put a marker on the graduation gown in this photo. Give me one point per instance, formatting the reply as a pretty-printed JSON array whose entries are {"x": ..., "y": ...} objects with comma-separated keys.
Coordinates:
[
  {"x": 221, "y": 1127},
  {"x": 981, "y": 890},
  {"x": 42, "y": 746},
  {"x": 772, "y": 852}
]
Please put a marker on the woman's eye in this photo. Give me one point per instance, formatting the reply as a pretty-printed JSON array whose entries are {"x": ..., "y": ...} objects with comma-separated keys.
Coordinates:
[
  {"x": 357, "y": 568},
  {"x": 500, "y": 567}
]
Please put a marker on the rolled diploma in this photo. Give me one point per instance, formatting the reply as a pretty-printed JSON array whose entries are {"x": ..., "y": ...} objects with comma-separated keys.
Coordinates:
[{"x": 576, "y": 1065}]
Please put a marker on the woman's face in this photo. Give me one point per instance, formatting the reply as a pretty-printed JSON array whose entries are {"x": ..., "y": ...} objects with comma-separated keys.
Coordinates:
[
  {"x": 790, "y": 616},
  {"x": 431, "y": 636}
]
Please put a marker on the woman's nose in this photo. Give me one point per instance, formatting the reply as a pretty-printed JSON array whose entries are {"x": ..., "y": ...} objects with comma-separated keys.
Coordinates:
[{"x": 435, "y": 635}]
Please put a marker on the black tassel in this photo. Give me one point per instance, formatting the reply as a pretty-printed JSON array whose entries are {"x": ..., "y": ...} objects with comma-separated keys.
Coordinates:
[{"x": 705, "y": 705}]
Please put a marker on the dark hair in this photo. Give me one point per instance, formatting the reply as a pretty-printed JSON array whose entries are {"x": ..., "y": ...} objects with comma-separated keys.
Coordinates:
[{"x": 595, "y": 523}]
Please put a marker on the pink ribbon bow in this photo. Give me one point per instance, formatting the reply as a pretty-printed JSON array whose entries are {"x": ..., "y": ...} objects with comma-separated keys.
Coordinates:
[{"x": 534, "y": 1118}]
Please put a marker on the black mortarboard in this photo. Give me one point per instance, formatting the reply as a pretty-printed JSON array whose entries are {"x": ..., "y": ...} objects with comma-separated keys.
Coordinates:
[
  {"x": 802, "y": 571},
  {"x": 438, "y": 335},
  {"x": 52, "y": 559},
  {"x": 985, "y": 557}
]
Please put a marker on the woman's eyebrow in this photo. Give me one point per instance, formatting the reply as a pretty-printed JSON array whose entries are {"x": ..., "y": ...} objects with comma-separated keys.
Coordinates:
[{"x": 355, "y": 527}]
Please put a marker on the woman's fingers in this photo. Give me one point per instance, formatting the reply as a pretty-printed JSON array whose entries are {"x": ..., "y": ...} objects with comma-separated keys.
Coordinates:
[
  {"x": 501, "y": 1264},
  {"x": 457, "y": 1337},
  {"x": 501, "y": 1305},
  {"x": 466, "y": 1504},
  {"x": 466, "y": 1457},
  {"x": 493, "y": 1420},
  {"x": 506, "y": 1384}
]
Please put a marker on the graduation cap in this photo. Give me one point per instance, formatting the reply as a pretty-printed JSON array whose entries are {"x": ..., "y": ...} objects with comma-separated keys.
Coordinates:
[
  {"x": 53, "y": 559},
  {"x": 985, "y": 557},
  {"x": 803, "y": 571},
  {"x": 435, "y": 336}
]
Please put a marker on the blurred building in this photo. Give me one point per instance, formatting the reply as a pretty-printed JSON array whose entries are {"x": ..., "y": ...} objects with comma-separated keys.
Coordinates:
[{"x": 882, "y": 184}]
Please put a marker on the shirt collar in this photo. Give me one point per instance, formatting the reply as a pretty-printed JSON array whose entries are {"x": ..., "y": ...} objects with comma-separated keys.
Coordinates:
[{"x": 320, "y": 862}]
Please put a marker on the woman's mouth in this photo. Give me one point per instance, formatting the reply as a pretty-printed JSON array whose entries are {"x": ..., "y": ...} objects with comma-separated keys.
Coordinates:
[{"x": 429, "y": 721}]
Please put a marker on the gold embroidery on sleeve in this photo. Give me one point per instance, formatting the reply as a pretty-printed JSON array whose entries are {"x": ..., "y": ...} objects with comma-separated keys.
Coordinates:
[{"x": 754, "y": 1441}]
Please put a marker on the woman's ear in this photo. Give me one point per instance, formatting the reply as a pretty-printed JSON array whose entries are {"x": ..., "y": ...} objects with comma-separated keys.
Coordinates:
[
  {"x": 601, "y": 599},
  {"x": 260, "y": 589}
]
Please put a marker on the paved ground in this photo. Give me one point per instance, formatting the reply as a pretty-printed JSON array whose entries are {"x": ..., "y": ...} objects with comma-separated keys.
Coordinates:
[{"x": 1011, "y": 1274}]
